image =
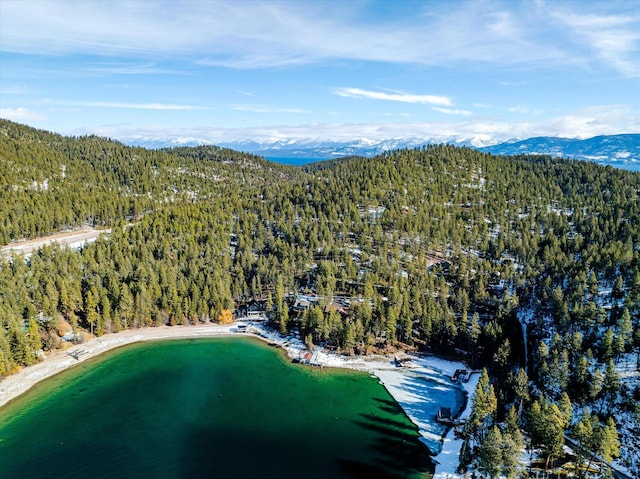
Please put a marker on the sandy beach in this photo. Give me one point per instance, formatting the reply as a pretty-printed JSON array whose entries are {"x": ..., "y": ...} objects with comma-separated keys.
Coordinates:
[
  {"x": 415, "y": 387},
  {"x": 13, "y": 386}
]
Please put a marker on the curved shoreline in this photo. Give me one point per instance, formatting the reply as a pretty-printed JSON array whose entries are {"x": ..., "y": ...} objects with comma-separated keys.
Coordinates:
[
  {"x": 402, "y": 383},
  {"x": 13, "y": 386}
]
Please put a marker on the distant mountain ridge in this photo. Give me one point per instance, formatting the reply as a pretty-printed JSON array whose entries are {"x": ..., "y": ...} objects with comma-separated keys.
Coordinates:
[
  {"x": 621, "y": 149},
  {"x": 607, "y": 148}
]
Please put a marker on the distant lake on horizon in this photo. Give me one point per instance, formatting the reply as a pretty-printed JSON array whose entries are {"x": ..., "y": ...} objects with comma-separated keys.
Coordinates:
[
  {"x": 219, "y": 408},
  {"x": 632, "y": 166},
  {"x": 293, "y": 161},
  {"x": 626, "y": 166}
]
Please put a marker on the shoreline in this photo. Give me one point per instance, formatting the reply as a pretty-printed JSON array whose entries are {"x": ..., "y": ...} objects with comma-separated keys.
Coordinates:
[
  {"x": 407, "y": 385},
  {"x": 14, "y": 385}
]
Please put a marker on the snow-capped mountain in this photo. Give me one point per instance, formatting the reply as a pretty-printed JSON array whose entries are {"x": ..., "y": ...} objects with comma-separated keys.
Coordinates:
[
  {"x": 321, "y": 149},
  {"x": 312, "y": 147},
  {"x": 608, "y": 149},
  {"x": 317, "y": 148},
  {"x": 612, "y": 149}
]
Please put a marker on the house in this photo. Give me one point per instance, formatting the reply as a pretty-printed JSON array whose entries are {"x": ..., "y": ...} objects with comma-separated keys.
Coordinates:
[
  {"x": 305, "y": 301},
  {"x": 460, "y": 376},
  {"x": 337, "y": 304},
  {"x": 301, "y": 305},
  {"x": 256, "y": 316},
  {"x": 444, "y": 415},
  {"x": 253, "y": 312}
]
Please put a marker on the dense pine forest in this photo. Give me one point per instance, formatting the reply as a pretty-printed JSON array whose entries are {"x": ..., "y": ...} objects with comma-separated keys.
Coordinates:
[{"x": 527, "y": 267}]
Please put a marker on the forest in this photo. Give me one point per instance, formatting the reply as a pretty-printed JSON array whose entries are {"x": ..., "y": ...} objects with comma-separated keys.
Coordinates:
[{"x": 525, "y": 267}]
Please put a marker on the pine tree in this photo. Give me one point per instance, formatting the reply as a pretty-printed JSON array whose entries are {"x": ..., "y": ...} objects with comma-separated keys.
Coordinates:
[
  {"x": 473, "y": 334},
  {"x": 566, "y": 408},
  {"x": 617, "y": 292},
  {"x": 520, "y": 384},
  {"x": 596, "y": 384},
  {"x": 490, "y": 453},
  {"x": 510, "y": 455},
  {"x": 584, "y": 435},
  {"x": 34, "y": 342},
  {"x": 596, "y": 439},
  {"x": 281, "y": 307},
  {"x": 609, "y": 447},
  {"x": 92, "y": 316},
  {"x": 512, "y": 428},
  {"x": 483, "y": 407},
  {"x": 546, "y": 424}
]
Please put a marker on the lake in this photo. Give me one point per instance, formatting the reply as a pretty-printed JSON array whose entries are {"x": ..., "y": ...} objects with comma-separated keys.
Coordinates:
[
  {"x": 295, "y": 161},
  {"x": 221, "y": 407}
]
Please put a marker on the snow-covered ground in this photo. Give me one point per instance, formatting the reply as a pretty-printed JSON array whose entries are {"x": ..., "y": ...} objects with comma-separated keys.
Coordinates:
[{"x": 420, "y": 387}]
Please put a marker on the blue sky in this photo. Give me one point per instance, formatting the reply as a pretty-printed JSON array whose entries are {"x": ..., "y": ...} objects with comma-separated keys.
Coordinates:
[{"x": 330, "y": 70}]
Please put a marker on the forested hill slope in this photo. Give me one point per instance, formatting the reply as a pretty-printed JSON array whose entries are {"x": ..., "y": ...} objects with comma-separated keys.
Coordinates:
[
  {"x": 55, "y": 183},
  {"x": 438, "y": 249}
]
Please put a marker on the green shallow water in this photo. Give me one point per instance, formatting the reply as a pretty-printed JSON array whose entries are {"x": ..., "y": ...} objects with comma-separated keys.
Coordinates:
[{"x": 210, "y": 408}]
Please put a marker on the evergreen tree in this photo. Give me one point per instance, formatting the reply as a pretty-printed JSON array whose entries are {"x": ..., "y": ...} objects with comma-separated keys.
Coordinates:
[
  {"x": 483, "y": 407},
  {"x": 34, "y": 342},
  {"x": 490, "y": 454},
  {"x": 546, "y": 424}
]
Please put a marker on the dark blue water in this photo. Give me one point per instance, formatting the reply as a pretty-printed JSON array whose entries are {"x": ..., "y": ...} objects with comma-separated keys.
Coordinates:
[{"x": 294, "y": 161}]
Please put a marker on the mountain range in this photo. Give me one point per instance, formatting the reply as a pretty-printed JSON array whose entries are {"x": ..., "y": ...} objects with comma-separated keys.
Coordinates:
[
  {"x": 610, "y": 149},
  {"x": 607, "y": 149}
]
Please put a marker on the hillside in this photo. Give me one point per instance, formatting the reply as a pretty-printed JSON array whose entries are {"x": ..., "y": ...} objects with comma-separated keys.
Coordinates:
[
  {"x": 527, "y": 266},
  {"x": 57, "y": 183}
]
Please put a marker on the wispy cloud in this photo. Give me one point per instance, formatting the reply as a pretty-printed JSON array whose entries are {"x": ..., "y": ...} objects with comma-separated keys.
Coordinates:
[
  {"x": 131, "y": 106},
  {"x": 399, "y": 97},
  {"x": 15, "y": 90},
  {"x": 21, "y": 114},
  {"x": 277, "y": 34},
  {"x": 612, "y": 38},
  {"x": 525, "y": 110},
  {"x": 452, "y": 111},
  {"x": 266, "y": 109},
  {"x": 123, "y": 68}
]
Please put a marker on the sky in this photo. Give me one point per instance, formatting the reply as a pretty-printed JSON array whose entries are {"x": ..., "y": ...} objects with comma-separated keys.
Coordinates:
[{"x": 224, "y": 71}]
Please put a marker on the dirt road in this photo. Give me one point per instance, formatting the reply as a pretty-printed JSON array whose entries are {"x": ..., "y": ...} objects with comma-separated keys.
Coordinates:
[{"x": 72, "y": 239}]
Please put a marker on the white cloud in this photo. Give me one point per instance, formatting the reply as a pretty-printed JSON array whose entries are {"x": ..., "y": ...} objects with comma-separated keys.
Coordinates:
[
  {"x": 21, "y": 114},
  {"x": 452, "y": 111},
  {"x": 259, "y": 34},
  {"x": 131, "y": 106},
  {"x": 122, "y": 68},
  {"x": 613, "y": 38},
  {"x": 594, "y": 121},
  {"x": 399, "y": 97},
  {"x": 584, "y": 123}
]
